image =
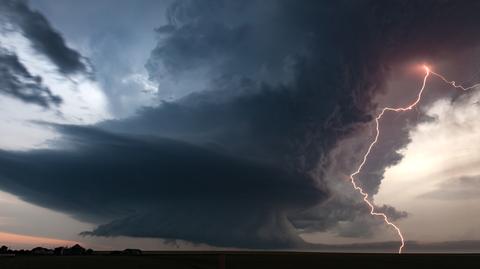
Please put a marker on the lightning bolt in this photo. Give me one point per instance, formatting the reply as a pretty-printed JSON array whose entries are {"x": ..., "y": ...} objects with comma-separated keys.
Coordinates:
[{"x": 408, "y": 107}]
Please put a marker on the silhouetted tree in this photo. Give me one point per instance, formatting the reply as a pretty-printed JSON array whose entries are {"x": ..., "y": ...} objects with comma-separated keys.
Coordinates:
[{"x": 4, "y": 249}]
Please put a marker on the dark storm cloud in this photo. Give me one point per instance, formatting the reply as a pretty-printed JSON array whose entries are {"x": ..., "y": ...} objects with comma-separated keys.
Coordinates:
[
  {"x": 16, "y": 81},
  {"x": 394, "y": 136},
  {"x": 44, "y": 38},
  {"x": 149, "y": 187},
  {"x": 467, "y": 187},
  {"x": 287, "y": 81},
  {"x": 355, "y": 218},
  {"x": 335, "y": 54}
]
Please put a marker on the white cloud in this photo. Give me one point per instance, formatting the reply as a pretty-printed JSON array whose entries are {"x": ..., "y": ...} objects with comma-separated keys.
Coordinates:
[
  {"x": 83, "y": 100},
  {"x": 445, "y": 148}
]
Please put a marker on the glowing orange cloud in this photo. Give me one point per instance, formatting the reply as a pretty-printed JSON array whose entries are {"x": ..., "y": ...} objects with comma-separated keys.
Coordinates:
[
  {"x": 408, "y": 107},
  {"x": 26, "y": 241}
]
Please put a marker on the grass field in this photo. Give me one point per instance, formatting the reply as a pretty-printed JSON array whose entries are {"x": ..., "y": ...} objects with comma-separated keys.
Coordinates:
[{"x": 247, "y": 260}]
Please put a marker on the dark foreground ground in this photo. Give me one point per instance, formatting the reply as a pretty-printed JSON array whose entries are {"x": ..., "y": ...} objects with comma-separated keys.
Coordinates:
[{"x": 248, "y": 260}]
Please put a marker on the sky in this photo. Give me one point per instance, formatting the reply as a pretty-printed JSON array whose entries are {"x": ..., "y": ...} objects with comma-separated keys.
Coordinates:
[{"x": 222, "y": 124}]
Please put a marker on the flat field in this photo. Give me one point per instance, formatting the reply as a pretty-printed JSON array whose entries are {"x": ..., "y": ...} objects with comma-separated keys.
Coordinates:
[{"x": 250, "y": 260}]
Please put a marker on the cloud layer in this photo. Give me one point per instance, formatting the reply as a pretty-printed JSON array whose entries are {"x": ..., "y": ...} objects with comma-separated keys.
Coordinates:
[{"x": 161, "y": 188}]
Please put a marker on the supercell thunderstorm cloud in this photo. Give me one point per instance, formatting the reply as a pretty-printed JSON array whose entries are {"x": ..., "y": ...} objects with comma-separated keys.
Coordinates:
[{"x": 256, "y": 114}]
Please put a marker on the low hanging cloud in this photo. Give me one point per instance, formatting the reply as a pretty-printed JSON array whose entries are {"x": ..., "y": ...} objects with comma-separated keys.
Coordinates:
[
  {"x": 247, "y": 161},
  {"x": 152, "y": 187}
]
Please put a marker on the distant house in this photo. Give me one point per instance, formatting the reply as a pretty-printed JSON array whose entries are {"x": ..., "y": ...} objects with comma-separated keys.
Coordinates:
[
  {"x": 42, "y": 251},
  {"x": 7, "y": 255},
  {"x": 131, "y": 251}
]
